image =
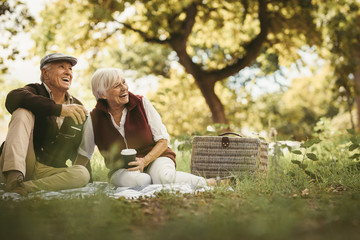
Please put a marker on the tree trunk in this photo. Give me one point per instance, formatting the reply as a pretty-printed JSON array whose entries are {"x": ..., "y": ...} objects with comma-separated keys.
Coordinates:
[{"x": 207, "y": 89}]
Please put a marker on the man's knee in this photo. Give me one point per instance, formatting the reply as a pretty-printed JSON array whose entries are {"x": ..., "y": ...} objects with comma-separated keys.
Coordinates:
[
  {"x": 24, "y": 114},
  {"x": 80, "y": 175}
]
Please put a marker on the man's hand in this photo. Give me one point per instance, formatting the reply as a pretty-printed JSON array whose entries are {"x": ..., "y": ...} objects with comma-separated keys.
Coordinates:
[{"x": 75, "y": 111}]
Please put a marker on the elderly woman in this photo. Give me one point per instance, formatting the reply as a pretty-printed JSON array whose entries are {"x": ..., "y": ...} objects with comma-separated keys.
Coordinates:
[{"x": 122, "y": 120}]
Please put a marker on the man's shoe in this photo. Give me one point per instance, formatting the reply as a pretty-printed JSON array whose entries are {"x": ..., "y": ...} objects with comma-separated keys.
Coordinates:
[{"x": 15, "y": 183}]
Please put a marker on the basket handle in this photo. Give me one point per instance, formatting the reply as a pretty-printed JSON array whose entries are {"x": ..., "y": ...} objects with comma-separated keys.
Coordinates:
[
  {"x": 225, "y": 141},
  {"x": 230, "y": 133}
]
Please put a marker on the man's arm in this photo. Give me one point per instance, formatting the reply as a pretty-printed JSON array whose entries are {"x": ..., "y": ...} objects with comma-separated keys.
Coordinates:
[
  {"x": 28, "y": 98},
  {"x": 81, "y": 160}
]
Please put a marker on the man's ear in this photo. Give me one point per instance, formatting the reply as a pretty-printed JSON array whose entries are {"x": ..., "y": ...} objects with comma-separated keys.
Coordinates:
[{"x": 44, "y": 73}]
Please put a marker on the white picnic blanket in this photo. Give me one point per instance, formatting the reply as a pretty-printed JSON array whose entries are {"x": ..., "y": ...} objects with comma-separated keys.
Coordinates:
[{"x": 95, "y": 188}]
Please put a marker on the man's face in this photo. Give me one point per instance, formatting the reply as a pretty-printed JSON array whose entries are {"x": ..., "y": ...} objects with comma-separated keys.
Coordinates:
[{"x": 58, "y": 76}]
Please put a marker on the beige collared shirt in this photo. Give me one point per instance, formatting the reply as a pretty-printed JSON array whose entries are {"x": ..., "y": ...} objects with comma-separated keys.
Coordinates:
[{"x": 68, "y": 100}]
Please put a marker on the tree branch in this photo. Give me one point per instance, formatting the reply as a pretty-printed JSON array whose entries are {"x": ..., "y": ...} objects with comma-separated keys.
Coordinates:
[
  {"x": 189, "y": 22},
  {"x": 178, "y": 42},
  {"x": 143, "y": 34},
  {"x": 252, "y": 48}
]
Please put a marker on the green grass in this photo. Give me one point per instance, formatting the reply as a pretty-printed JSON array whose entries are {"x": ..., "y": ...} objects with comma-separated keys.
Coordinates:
[
  {"x": 99, "y": 170},
  {"x": 215, "y": 215},
  {"x": 276, "y": 205}
]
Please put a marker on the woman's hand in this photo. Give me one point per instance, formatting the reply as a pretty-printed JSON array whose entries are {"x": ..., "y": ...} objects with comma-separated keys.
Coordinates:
[{"x": 139, "y": 164}]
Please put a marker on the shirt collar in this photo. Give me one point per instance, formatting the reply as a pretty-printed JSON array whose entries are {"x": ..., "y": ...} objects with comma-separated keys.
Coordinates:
[{"x": 68, "y": 97}]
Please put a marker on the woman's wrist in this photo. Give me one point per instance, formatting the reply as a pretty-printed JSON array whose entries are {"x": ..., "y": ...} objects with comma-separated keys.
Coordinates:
[
  {"x": 148, "y": 159},
  {"x": 145, "y": 161}
]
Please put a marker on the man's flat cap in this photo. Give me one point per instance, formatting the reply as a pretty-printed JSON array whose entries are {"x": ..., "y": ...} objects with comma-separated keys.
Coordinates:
[{"x": 52, "y": 57}]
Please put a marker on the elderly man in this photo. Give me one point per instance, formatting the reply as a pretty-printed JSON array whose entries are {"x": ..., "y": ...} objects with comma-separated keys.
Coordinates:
[{"x": 44, "y": 132}]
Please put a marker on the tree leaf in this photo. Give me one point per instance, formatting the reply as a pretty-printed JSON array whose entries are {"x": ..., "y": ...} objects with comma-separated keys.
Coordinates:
[
  {"x": 355, "y": 156},
  {"x": 303, "y": 166},
  {"x": 354, "y": 140},
  {"x": 292, "y": 174},
  {"x": 298, "y": 152},
  {"x": 351, "y": 131},
  {"x": 353, "y": 146},
  {"x": 311, "y": 142},
  {"x": 312, "y": 156},
  {"x": 296, "y": 162}
]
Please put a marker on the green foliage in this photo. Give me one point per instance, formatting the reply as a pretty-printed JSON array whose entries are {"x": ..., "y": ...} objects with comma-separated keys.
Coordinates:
[
  {"x": 354, "y": 146},
  {"x": 324, "y": 159},
  {"x": 99, "y": 170},
  {"x": 7, "y": 86},
  {"x": 295, "y": 112},
  {"x": 305, "y": 155},
  {"x": 122, "y": 34},
  {"x": 223, "y": 36},
  {"x": 181, "y": 106},
  {"x": 146, "y": 59},
  {"x": 339, "y": 22},
  {"x": 14, "y": 20}
]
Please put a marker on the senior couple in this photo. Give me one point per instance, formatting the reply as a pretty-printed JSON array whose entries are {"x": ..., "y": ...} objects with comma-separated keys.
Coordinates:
[{"x": 49, "y": 126}]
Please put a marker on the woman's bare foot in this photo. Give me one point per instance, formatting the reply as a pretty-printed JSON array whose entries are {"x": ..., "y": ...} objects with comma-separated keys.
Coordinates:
[
  {"x": 218, "y": 181},
  {"x": 211, "y": 181}
]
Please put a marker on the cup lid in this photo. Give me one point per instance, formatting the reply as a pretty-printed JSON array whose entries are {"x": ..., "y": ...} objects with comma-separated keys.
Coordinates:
[{"x": 128, "y": 151}]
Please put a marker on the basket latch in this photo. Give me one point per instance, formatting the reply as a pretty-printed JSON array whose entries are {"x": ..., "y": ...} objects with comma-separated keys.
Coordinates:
[{"x": 225, "y": 142}]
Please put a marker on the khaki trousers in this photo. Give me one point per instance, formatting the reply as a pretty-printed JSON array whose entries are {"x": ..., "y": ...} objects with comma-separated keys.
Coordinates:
[{"x": 18, "y": 154}]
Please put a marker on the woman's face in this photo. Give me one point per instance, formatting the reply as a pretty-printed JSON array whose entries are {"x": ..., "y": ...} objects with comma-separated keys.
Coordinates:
[{"x": 118, "y": 95}]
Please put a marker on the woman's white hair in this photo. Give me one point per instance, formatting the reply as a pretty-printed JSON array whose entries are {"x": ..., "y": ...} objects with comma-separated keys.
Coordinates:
[{"x": 104, "y": 79}]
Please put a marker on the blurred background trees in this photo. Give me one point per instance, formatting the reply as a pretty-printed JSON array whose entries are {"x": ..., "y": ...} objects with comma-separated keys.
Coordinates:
[
  {"x": 218, "y": 61},
  {"x": 14, "y": 20}
]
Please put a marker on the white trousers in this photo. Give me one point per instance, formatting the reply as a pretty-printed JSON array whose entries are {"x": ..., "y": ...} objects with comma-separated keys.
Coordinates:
[{"x": 161, "y": 171}]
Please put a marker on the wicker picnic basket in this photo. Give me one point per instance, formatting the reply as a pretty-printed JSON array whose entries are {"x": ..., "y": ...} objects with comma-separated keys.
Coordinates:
[{"x": 222, "y": 156}]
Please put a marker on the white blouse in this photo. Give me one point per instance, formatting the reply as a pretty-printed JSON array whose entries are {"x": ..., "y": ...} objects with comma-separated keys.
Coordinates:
[{"x": 157, "y": 128}]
